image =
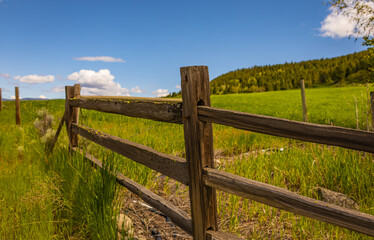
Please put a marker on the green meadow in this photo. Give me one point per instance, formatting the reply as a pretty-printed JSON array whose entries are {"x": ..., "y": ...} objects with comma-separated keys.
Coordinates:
[{"x": 59, "y": 196}]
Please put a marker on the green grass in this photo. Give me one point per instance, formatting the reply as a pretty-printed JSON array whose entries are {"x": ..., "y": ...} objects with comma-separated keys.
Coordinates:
[
  {"x": 325, "y": 105},
  {"x": 77, "y": 199},
  {"x": 56, "y": 196}
]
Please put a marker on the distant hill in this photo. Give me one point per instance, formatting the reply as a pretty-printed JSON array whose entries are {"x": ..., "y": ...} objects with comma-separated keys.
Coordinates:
[
  {"x": 338, "y": 71},
  {"x": 33, "y": 99},
  {"x": 24, "y": 99}
]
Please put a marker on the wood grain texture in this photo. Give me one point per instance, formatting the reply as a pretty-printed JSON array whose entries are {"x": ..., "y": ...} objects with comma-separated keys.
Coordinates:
[
  {"x": 69, "y": 93},
  {"x": 214, "y": 235},
  {"x": 71, "y": 113},
  {"x": 198, "y": 138},
  {"x": 170, "y": 111},
  {"x": 136, "y": 99},
  {"x": 177, "y": 216},
  {"x": 18, "y": 108},
  {"x": 303, "y": 101},
  {"x": 324, "y": 134},
  {"x": 372, "y": 110},
  {"x": 52, "y": 145},
  {"x": 171, "y": 166},
  {"x": 290, "y": 201},
  {"x": 75, "y": 113}
]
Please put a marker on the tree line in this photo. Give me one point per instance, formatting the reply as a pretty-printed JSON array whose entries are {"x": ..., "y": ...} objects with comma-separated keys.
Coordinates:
[
  {"x": 337, "y": 71},
  {"x": 352, "y": 68}
]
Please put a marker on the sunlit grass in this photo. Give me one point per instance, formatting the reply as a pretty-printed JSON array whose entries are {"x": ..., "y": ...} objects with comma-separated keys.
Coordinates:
[
  {"x": 51, "y": 196},
  {"x": 79, "y": 198}
]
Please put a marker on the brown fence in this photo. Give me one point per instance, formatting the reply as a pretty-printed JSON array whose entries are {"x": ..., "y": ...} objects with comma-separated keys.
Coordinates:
[
  {"x": 17, "y": 102},
  {"x": 197, "y": 170}
]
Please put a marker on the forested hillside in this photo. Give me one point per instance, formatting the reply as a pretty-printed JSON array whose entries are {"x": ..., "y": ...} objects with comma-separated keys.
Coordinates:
[{"x": 352, "y": 68}]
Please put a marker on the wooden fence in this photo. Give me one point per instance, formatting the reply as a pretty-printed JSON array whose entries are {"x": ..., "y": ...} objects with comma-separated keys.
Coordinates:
[
  {"x": 17, "y": 103},
  {"x": 18, "y": 107},
  {"x": 197, "y": 170}
]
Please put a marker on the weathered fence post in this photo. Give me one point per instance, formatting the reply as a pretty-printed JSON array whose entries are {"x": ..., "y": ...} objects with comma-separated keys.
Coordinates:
[
  {"x": 198, "y": 138},
  {"x": 303, "y": 99},
  {"x": 372, "y": 109},
  {"x": 71, "y": 114},
  {"x": 1, "y": 101},
  {"x": 18, "y": 109}
]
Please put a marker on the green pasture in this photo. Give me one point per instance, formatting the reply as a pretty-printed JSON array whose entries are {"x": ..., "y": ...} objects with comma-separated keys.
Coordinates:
[{"x": 53, "y": 196}]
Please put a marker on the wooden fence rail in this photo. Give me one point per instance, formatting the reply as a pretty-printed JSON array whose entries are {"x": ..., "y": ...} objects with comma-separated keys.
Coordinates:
[
  {"x": 197, "y": 170},
  {"x": 170, "y": 166},
  {"x": 178, "y": 216},
  {"x": 324, "y": 134},
  {"x": 149, "y": 108},
  {"x": 289, "y": 201}
]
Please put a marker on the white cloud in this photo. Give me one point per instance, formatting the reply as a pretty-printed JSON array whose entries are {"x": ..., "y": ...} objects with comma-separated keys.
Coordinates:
[
  {"x": 35, "y": 78},
  {"x": 58, "y": 89},
  {"x": 98, "y": 83},
  {"x": 342, "y": 23},
  {"x": 160, "y": 92},
  {"x": 337, "y": 26},
  {"x": 13, "y": 97},
  {"x": 178, "y": 86},
  {"x": 42, "y": 97},
  {"x": 4, "y": 75},
  {"x": 100, "y": 59},
  {"x": 137, "y": 90}
]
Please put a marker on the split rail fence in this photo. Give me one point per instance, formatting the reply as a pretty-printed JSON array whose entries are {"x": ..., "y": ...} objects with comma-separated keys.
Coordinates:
[{"x": 197, "y": 170}]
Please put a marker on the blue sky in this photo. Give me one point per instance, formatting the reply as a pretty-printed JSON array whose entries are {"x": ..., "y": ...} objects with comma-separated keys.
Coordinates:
[{"x": 137, "y": 47}]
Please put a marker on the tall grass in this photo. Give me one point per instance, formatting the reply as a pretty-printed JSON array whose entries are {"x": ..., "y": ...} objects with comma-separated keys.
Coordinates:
[
  {"x": 301, "y": 170},
  {"x": 82, "y": 202},
  {"x": 48, "y": 196},
  {"x": 91, "y": 195},
  {"x": 28, "y": 196}
]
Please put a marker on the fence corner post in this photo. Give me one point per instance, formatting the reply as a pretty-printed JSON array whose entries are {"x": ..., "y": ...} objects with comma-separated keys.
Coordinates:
[
  {"x": 18, "y": 108},
  {"x": 198, "y": 138},
  {"x": 71, "y": 114}
]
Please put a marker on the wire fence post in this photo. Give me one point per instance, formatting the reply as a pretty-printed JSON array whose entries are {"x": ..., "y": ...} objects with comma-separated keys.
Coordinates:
[
  {"x": 1, "y": 101},
  {"x": 372, "y": 110},
  {"x": 18, "y": 108},
  {"x": 303, "y": 99}
]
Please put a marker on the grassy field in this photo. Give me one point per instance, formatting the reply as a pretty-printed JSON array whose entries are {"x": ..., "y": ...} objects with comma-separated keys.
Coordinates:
[{"x": 53, "y": 196}]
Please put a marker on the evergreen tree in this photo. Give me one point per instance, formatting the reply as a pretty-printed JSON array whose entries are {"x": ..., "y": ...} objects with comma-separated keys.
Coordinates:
[{"x": 352, "y": 68}]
